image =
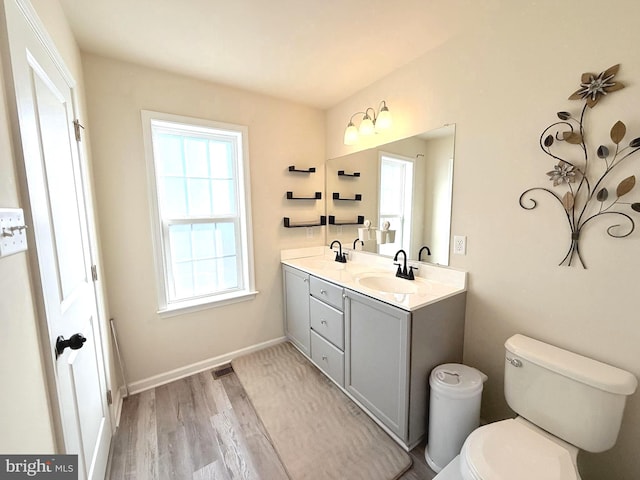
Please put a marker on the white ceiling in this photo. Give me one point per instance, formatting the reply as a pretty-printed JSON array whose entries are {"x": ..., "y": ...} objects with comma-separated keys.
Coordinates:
[{"x": 317, "y": 52}]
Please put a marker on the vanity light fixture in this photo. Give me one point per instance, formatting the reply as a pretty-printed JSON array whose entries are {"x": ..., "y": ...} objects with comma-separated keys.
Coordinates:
[{"x": 370, "y": 123}]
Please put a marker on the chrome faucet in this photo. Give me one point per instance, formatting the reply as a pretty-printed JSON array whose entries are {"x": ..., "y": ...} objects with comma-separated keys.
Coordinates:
[
  {"x": 420, "y": 252},
  {"x": 340, "y": 257},
  {"x": 403, "y": 272}
]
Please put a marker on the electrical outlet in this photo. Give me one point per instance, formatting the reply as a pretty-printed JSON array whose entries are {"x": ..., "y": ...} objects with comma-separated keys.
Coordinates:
[
  {"x": 460, "y": 244},
  {"x": 309, "y": 232},
  {"x": 13, "y": 237}
]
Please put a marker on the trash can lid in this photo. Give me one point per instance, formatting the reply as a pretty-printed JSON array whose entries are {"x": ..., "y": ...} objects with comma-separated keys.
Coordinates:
[{"x": 457, "y": 380}]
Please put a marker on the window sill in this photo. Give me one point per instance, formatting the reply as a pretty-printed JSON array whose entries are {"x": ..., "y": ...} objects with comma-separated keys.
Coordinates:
[{"x": 204, "y": 304}]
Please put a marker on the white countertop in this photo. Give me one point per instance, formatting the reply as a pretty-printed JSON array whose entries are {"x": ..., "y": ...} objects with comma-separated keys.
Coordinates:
[{"x": 433, "y": 283}]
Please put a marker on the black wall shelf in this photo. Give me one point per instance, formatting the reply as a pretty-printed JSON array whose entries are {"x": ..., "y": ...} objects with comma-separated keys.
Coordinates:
[
  {"x": 317, "y": 196},
  {"x": 292, "y": 168},
  {"x": 357, "y": 198},
  {"x": 342, "y": 173},
  {"x": 288, "y": 224},
  {"x": 332, "y": 221}
]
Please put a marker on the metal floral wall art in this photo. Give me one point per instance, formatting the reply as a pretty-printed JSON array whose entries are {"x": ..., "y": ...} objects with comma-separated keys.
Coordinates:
[{"x": 583, "y": 196}]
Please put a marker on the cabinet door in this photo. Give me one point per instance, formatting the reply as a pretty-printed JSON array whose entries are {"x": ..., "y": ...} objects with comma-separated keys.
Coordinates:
[
  {"x": 296, "y": 307},
  {"x": 377, "y": 359}
]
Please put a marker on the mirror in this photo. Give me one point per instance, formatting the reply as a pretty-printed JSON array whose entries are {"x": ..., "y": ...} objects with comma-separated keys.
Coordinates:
[{"x": 407, "y": 183}]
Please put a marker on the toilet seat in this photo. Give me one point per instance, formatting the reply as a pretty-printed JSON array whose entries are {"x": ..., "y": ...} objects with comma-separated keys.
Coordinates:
[{"x": 509, "y": 450}]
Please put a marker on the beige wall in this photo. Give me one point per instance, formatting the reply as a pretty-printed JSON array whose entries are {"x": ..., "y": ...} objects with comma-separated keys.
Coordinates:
[
  {"x": 502, "y": 82},
  {"x": 280, "y": 134}
]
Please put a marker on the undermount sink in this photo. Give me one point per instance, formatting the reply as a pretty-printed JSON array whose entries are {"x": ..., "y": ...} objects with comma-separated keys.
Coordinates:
[{"x": 388, "y": 284}]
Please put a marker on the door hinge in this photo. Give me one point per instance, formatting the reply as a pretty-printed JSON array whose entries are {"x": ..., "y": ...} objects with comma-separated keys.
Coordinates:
[
  {"x": 94, "y": 273},
  {"x": 76, "y": 127},
  {"x": 109, "y": 397}
]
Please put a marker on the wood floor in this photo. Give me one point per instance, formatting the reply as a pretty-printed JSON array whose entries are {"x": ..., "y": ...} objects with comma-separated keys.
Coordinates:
[{"x": 202, "y": 427}]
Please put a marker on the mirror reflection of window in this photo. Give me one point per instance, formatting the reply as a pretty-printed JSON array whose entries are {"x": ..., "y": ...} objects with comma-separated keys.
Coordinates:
[{"x": 394, "y": 206}]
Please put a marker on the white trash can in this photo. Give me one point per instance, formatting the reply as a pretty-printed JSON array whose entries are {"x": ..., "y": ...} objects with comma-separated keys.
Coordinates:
[{"x": 454, "y": 411}]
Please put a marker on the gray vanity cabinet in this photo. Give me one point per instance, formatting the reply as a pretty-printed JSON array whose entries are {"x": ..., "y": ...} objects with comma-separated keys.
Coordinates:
[
  {"x": 379, "y": 354},
  {"x": 296, "y": 308},
  {"x": 377, "y": 358},
  {"x": 389, "y": 355}
]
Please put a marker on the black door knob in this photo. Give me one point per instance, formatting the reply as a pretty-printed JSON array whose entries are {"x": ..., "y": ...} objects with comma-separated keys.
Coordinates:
[{"x": 74, "y": 343}]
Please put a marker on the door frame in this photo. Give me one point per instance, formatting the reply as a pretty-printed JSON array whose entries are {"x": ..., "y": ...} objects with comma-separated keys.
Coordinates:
[{"x": 47, "y": 350}]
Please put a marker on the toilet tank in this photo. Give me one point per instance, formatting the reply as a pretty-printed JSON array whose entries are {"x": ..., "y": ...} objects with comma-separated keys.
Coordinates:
[{"x": 575, "y": 398}]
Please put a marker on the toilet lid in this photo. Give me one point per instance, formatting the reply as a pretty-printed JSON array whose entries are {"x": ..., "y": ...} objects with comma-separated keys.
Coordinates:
[{"x": 510, "y": 450}]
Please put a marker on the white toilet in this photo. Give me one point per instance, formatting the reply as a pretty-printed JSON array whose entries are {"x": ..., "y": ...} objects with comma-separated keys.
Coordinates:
[{"x": 565, "y": 402}]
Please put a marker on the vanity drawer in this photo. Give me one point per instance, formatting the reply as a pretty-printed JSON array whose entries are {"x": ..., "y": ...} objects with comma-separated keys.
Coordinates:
[
  {"x": 328, "y": 358},
  {"x": 327, "y": 322},
  {"x": 327, "y": 292}
]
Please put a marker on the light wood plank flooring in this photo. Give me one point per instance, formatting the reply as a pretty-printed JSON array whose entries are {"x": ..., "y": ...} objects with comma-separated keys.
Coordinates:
[{"x": 200, "y": 428}]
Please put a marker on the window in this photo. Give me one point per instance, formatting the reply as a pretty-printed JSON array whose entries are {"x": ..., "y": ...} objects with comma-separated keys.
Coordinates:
[
  {"x": 199, "y": 186},
  {"x": 395, "y": 193}
]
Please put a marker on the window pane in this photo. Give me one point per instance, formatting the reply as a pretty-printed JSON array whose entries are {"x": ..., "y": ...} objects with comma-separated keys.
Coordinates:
[
  {"x": 223, "y": 197},
  {"x": 204, "y": 241},
  {"x": 204, "y": 258},
  {"x": 226, "y": 239},
  {"x": 180, "y": 237},
  {"x": 392, "y": 184},
  {"x": 204, "y": 275},
  {"x": 228, "y": 272},
  {"x": 183, "y": 280},
  {"x": 195, "y": 153},
  {"x": 221, "y": 159},
  {"x": 199, "y": 197},
  {"x": 167, "y": 150},
  {"x": 173, "y": 200}
]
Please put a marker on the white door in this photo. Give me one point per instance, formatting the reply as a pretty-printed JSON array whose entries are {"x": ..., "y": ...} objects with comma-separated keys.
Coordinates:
[{"x": 60, "y": 251}]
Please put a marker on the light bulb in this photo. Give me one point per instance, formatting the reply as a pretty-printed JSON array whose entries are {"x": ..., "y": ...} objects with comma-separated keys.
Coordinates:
[
  {"x": 366, "y": 126},
  {"x": 351, "y": 134},
  {"x": 384, "y": 119}
]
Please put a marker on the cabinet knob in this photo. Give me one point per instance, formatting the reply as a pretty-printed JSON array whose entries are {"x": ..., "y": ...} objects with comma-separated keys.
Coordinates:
[
  {"x": 305, "y": 280},
  {"x": 324, "y": 358},
  {"x": 323, "y": 292},
  {"x": 323, "y": 322}
]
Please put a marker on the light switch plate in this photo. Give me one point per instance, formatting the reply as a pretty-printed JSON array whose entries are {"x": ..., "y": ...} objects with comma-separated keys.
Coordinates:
[{"x": 13, "y": 232}]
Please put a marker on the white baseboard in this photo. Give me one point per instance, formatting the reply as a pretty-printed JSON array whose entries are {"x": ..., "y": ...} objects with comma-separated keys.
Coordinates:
[{"x": 182, "y": 372}]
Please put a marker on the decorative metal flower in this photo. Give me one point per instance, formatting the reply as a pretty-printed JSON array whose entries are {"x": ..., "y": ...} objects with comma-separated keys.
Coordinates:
[
  {"x": 562, "y": 173},
  {"x": 593, "y": 87},
  {"x": 584, "y": 196}
]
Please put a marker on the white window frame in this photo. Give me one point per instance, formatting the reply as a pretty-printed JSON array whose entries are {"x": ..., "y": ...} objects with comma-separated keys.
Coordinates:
[{"x": 160, "y": 226}]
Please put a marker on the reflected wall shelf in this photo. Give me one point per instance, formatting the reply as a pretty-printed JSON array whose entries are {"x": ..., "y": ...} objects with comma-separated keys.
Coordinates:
[
  {"x": 317, "y": 196},
  {"x": 292, "y": 168},
  {"x": 342, "y": 173},
  {"x": 289, "y": 224},
  {"x": 359, "y": 221},
  {"x": 357, "y": 198}
]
